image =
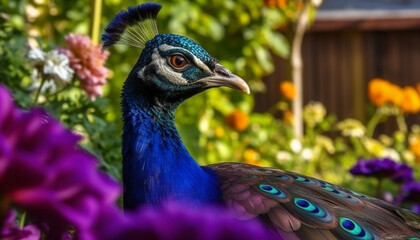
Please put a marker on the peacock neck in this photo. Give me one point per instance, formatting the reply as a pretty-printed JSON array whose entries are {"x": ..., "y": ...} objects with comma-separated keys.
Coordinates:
[{"x": 156, "y": 165}]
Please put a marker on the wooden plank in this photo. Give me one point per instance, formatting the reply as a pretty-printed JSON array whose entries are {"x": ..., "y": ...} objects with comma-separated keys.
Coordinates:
[
  {"x": 386, "y": 24},
  {"x": 338, "y": 66}
]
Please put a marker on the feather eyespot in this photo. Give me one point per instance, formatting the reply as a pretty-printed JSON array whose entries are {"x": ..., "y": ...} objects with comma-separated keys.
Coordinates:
[
  {"x": 313, "y": 210},
  {"x": 272, "y": 190},
  {"x": 325, "y": 184},
  {"x": 355, "y": 229},
  {"x": 339, "y": 193},
  {"x": 303, "y": 179},
  {"x": 178, "y": 61},
  {"x": 359, "y": 194}
]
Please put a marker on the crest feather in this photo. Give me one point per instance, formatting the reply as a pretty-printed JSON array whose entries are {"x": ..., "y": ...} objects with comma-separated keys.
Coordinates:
[{"x": 134, "y": 26}]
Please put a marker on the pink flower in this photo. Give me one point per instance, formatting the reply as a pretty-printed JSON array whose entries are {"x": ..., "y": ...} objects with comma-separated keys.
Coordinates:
[{"x": 87, "y": 60}]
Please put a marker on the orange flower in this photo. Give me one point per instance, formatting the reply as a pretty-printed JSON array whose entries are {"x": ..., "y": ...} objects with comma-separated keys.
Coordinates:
[
  {"x": 251, "y": 156},
  {"x": 276, "y": 3},
  {"x": 288, "y": 90},
  {"x": 418, "y": 88},
  {"x": 237, "y": 120},
  {"x": 411, "y": 100},
  {"x": 288, "y": 117},
  {"x": 396, "y": 95},
  {"x": 379, "y": 91},
  {"x": 415, "y": 148}
]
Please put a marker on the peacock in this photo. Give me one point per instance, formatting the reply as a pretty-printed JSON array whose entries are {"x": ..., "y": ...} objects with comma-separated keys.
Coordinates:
[{"x": 157, "y": 167}]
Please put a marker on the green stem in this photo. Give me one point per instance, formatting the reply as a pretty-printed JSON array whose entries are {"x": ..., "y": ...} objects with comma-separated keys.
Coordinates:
[
  {"x": 22, "y": 220},
  {"x": 358, "y": 146},
  {"x": 66, "y": 87},
  {"x": 38, "y": 92},
  {"x": 373, "y": 122},
  {"x": 402, "y": 125}
]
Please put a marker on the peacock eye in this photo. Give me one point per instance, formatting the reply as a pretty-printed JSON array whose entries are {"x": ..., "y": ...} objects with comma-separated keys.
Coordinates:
[{"x": 178, "y": 61}]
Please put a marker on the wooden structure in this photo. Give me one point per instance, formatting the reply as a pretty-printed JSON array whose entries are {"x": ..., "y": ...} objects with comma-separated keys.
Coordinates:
[{"x": 344, "y": 49}]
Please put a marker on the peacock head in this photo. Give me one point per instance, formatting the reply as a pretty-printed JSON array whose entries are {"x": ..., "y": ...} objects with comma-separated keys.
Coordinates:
[{"x": 172, "y": 68}]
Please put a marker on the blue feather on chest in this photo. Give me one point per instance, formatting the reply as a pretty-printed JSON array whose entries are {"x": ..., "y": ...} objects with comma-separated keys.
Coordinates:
[{"x": 157, "y": 167}]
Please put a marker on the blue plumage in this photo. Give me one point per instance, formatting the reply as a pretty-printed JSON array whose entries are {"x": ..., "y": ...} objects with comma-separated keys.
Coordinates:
[
  {"x": 151, "y": 149},
  {"x": 157, "y": 167},
  {"x": 151, "y": 144}
]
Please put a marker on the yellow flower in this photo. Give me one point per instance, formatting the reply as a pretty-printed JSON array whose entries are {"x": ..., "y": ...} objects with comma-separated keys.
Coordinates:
[
  {"x": 288, "y": 90},
  {"x": 373, "y": 146},
  {"x": 325, "y": 143},
  {"x": 314, "y": 113},
  {"x": 251, "y": 156},
  {"x": 379, "y": 91},
  {"x": 238, "y": 120},
  {"x": 219, "y": 132},
  {"x": 411, "y": 100}
]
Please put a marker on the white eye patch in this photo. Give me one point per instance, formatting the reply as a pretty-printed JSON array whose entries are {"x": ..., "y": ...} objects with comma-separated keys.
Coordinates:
[
  {"x": 197, "y": 61},
  {"x": 163, "y": 69}
]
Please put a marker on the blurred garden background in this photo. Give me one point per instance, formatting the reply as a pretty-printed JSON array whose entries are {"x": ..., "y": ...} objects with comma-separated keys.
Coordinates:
[{"x": 356, "y": 93}]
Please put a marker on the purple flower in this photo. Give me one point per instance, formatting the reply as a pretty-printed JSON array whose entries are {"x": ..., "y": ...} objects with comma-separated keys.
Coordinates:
[
  {"x": 415, "y": 208},
  {"x": 403, "y": 174},
  {"x": 383, "y": 168},
  {"x": 176, "y": 221},
  {"x": 411, "y": 192},
  {"x": 375, "y": 167},
  {"x": 44, "y": 172},
  {"x": 10, "y": 230}
]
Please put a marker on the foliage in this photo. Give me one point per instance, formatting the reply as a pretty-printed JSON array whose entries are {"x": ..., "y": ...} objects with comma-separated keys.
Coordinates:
[{"x": 68, "y": 104}]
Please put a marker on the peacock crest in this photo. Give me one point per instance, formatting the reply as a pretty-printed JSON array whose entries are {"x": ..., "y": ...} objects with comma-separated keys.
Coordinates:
[{"x": 134, "y": 26}]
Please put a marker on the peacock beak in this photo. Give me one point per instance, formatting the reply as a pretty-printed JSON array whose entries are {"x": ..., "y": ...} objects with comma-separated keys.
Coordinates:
[{"x": 224, "y": 78}]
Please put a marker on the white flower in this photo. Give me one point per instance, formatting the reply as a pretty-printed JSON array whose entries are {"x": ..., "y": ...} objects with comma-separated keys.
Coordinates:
[
  {"x": 316, "y": 3},
  {"x": 307, "y": 154},
  {"x": 57, "y": 66},
  {"x": 51, "y": 67},
  {"x": 391, "y": 153},
  {"x": 351, "y": 128},
  {"x": 48, "y": 86},
  {"x": 295, "y": 145},
  {"x": 283, "y": 156},
  {"x": 35, "y": 56}
]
